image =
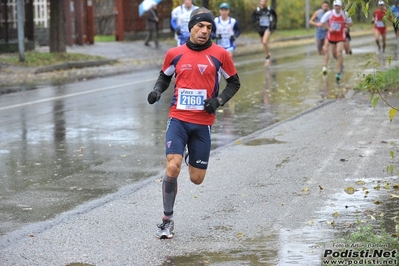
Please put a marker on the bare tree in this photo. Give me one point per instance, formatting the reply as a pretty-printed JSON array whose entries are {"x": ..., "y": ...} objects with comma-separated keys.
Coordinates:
[
  {"x": 57, "y": 31},
  {"x": 274, "y": 4},
  {"x": 205, "y": 3}
]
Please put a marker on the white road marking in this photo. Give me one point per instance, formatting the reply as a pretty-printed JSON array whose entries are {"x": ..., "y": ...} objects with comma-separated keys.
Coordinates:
[{"x": 72, "y": 95}]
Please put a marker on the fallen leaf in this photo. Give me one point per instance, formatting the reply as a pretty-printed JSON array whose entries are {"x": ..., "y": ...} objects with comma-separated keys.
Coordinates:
[
  {"x": 239, "y": 234},
  {"x": 305, "y": 189},
  {"x": 377, "y": 202},
  {"x": 394, "y": 196},
  {"x": 331, "y": 223},
  {"x": 360, "y": 182},
  {"x": 320, "y": 187},
  {"x": 349, "y": 190},
  {"x": 372, "y": 217},
  {"x": 335, "y": 214},
  {"x": 310, "y": 222},
  {"x": 377, "y": 187},
  {"x": 395, "y": 186}
]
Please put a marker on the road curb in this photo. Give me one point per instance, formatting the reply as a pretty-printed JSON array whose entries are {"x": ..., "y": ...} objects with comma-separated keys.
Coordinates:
[{"x": 70, "y": 65}]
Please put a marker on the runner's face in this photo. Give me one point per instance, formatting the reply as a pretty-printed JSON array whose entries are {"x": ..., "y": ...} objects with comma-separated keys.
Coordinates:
[
  {"x": 188, "y": 3},
  {"x": 224, "y": 12},
  {"x": 337, "y": 8},
  {"x": 325, "y": 6},
  {"x": 262, "y": 3},
  {"x": 201, "y": 32}
]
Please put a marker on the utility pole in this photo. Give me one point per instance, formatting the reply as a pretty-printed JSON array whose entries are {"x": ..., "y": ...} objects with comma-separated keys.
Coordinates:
[
  {"x": 21, "y": 32},
  {"x": 307, "y": 14},
  {"x": 119, "y": 21}
]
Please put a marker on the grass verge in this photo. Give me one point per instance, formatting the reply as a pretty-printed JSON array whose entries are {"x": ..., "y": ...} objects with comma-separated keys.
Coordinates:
[
  {"x": 387, "y": 80},
  {"x": 104, "y": 38},
  {"x": 37, "y": 59}
]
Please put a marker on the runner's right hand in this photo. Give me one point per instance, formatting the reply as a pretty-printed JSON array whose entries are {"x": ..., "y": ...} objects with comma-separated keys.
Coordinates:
[
  {"x": 154, "y": 96},
  {"x": 178, "y": 31}
]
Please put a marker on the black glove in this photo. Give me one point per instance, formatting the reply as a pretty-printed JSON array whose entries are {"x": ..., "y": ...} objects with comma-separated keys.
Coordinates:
[
  {"x": 232, "y": 38},
  {"x": 154, "y": 96},
  {"x": 178, "y": 31},
  {"x": 211, "y": 105}
]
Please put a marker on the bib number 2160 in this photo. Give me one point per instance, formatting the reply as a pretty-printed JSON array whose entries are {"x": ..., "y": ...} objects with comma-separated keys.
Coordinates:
[{"x": 189, "y": 99}]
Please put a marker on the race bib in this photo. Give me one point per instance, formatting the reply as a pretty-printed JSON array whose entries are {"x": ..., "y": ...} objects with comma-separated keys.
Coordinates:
[
  {"x": 380, "y": 24},
  {"x": 336, "y": 26},
  {"x": 264, "y": 21},
  {"x": 188, "y": 99},
  {"x": 183, "y": 22},
  {"x": 225, "y": 41}
]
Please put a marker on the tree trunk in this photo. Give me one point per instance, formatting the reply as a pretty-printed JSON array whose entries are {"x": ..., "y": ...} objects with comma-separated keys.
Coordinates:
[
  {"x": 274, "y": 4},
  {"x": 205, "y": 3},
  {"x": 57, "y": 31}
]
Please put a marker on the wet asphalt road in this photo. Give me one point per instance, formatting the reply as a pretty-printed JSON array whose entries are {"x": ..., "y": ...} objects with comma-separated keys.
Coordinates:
[{"x": 97, "y": 143}]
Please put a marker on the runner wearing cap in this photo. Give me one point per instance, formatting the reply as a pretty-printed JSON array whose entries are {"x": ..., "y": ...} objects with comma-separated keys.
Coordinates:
[
  {"x": 196, "y": 67},
  {"x": 336, "y": 21},
  {"x": 380, "y": 29},
  {"x": 226, "y": 29}
]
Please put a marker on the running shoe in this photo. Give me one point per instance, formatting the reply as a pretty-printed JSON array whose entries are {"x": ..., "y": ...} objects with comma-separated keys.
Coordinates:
[
  {"x": 338, "y": 77},
  {"x": 165, "y": 229},
  {"x": 324, "y": 70},
  {"x": 267, "y": 62}
]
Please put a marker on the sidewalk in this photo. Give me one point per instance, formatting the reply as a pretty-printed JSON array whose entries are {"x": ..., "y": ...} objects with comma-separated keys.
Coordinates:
[{"x": 268, "y": 198}]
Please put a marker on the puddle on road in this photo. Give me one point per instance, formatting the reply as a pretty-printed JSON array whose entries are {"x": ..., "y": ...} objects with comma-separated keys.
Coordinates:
[
  {"x": 259, "y": 251},
  {"x": 373, "y": 200},
  {"x": 264, "y": 141},
  {"x": 13, "y": 89},
  {"x": 78, "y": 264}
]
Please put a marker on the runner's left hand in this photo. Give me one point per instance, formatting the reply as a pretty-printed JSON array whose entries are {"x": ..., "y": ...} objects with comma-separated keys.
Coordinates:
[{"x": 211, "y": 105}]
